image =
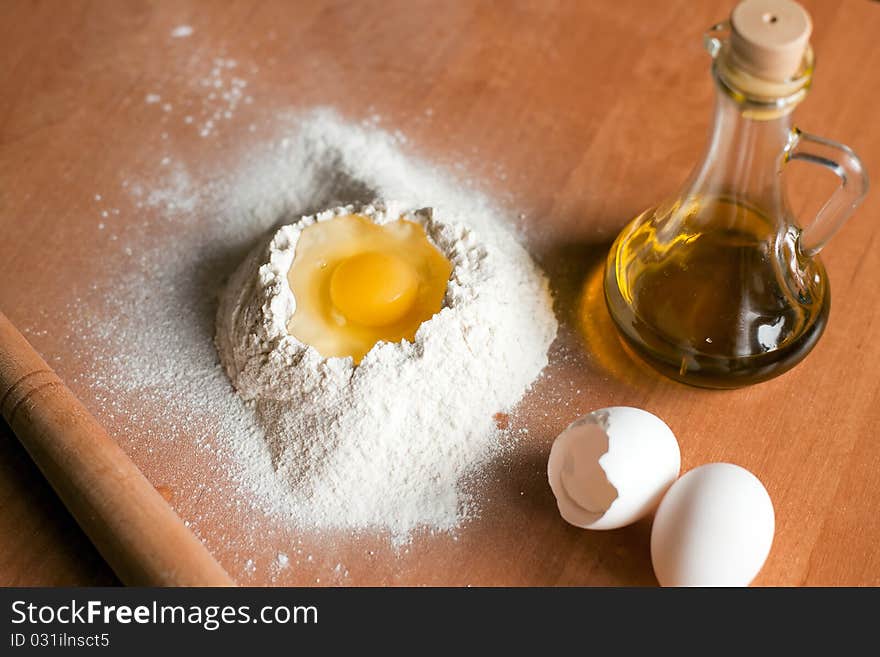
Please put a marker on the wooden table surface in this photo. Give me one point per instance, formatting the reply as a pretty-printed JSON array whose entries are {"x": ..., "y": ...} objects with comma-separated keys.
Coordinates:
[{"x": 576, "y": 114}]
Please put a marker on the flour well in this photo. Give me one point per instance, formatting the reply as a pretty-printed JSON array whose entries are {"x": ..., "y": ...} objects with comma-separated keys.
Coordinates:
[
  {"x": 400, "y": 459},
  {"x": 388, "y": 443}
]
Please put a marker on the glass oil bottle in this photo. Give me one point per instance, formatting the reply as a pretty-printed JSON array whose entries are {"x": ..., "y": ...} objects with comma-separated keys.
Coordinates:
[{"x": 720, "y": 286}]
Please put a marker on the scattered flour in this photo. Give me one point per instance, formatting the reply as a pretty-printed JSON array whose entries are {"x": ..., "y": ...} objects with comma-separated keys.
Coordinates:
[
  {"x": 177, "y": 194},
  {"x": 181, "y": 31},
  {"x": 225, "y": 91},
  {"x": 220, "y": 92},
  {"x": 157, "y": 344}
]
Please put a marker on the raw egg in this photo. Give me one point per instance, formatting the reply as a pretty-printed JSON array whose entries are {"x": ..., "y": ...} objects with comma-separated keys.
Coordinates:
[{"x": 357, "y": 283}]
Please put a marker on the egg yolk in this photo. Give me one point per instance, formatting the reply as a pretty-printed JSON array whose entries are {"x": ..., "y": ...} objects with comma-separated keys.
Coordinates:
[
  {"x": 373, "y": 289},
  {"x": 357, "y": 283}
]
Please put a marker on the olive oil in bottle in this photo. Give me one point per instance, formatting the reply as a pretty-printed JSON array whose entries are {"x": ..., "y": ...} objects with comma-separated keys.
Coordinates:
[
  {"x": 710, "y": 304},
  {"x": 721, "y": 286}
]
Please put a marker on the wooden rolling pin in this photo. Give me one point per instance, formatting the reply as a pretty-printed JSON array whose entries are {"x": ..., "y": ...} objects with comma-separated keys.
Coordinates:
[{"x": 130, "y": 523}]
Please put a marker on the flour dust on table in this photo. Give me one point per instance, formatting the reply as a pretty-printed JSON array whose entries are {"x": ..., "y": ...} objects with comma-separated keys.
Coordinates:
[{"x": 391, "y": 445}]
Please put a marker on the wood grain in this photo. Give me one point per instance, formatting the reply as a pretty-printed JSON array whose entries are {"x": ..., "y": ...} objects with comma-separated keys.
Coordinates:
[{"x": 578, "y": 115}]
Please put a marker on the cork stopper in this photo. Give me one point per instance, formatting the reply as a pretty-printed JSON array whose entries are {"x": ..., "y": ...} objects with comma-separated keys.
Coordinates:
[{"x": 769, "y": 38}]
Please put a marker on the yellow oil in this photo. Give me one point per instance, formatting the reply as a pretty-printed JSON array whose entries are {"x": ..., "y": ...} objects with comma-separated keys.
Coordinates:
[{"x": 712, "y": 293}]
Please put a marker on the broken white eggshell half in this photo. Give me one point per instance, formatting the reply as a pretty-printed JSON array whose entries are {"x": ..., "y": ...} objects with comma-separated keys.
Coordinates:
[{"x": 611, "y": 467}]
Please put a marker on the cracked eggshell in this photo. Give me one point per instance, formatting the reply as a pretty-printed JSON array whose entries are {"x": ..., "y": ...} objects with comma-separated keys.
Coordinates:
[
  {"x": 611, "y": 467},
  {"x": 713, "y": 528}
]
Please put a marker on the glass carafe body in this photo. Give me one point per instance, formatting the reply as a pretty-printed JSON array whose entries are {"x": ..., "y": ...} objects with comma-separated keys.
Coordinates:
[{"x": 720, "y": 286}]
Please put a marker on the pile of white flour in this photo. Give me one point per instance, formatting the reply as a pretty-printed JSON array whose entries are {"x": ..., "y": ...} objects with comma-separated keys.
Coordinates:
[
  {"x": 388, "y": 443},
  {"x": 388, "y": 446}
]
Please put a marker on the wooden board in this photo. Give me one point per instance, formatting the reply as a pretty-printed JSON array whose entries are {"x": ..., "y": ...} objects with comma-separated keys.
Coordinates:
[{"x": 580, "y": 115}]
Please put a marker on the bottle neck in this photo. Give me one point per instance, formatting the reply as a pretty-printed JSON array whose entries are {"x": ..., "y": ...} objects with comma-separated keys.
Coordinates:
[{"x": 745, "y": 154}]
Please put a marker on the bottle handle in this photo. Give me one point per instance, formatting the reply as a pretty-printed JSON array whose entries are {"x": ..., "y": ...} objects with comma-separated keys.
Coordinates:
[{"x": 845, "y": 165}]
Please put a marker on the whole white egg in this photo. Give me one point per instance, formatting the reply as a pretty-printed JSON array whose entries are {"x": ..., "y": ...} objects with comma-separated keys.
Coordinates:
[
  {"x": 713, "y": 528},
  {"x": 611, "y": 467}
]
